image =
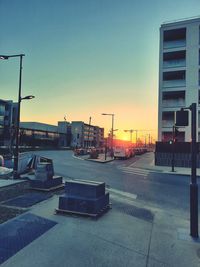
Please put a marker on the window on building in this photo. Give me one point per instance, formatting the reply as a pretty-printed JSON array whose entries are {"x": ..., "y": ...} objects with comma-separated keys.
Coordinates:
[
  {"x": 199, "y": 34},
  {"x": 2, "y": 109},
  {"x": 199, "y": 77},
  {"x": 174, "y": 75},
  {"x": 198, "y": 119},
  {"x": 1, "y": 120},
  {"x": 199, "y": 97},
  {"x": 174, "y": 59},
  {"x": 168, "y": 119},
  {"x": 174, "y": 78},
  {"x": 174, "y": 38},
  {"x": 199, "y": 56},
  {"x": 173, "y": 99}
]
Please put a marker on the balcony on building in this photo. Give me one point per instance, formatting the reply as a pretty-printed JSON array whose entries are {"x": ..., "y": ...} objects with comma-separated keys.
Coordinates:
[
  {"x": 174, "y": 38},
  {"x": 2, "y": 110},
  {"x": 167, "y": 119},
  {"x": 173, "y": 99},
  {"x": 174, "y": 78},
  {"x": 199, "y": 77},
  {"x": 199, "y": 56},
  {"x": 174, "y": 59}
]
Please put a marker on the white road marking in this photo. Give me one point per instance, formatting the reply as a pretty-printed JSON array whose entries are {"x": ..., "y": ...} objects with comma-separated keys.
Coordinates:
[
  {"x": 136, "y": 171},
  {"x": 122, "y": 193}
]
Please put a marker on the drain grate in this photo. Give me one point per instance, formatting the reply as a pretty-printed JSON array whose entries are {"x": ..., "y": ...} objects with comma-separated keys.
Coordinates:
[
  {"x": 134, "y": 211},
  {"x": 28, "y": 199}
]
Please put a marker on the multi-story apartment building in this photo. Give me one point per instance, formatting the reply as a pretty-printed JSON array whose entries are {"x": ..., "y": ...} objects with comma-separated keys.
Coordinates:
[
  {"x": 86, "y": 135},
  {"x": 8, "y": 118},
  {"x": 179, "y": 75}
]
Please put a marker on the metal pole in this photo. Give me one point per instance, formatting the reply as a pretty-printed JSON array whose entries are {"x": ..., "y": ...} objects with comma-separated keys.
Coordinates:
[
  {"x": 105, "y": 149},
  {"x": 173, "y": 147},
  {"x": 16, "y": 154},
  {"x": 193, "y": 184},
  {"x": 88, "y": 139},
  {"x": 112, "y": 135},
  {"x": 136, "y": 138}
]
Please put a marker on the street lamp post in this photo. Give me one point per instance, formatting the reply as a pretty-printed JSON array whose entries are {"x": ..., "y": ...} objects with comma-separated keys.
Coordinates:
[
  {"x": 111, "y": 114},
  {"x": 16, "y": 153},
  {"x": 131, "y": 132}
]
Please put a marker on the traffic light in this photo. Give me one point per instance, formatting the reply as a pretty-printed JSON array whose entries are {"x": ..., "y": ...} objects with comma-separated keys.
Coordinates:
[
  {"x": 170, "y": 142},
  {"x": 176, "y": 132}
]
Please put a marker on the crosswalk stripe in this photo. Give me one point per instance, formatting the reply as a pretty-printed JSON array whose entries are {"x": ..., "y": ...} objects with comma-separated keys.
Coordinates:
[
  {"x": 137, "y": 173},
  {"x": 122, "y": 193},
  {"x": 132, "y": 168},
  {"x": 134, "y": 171}
]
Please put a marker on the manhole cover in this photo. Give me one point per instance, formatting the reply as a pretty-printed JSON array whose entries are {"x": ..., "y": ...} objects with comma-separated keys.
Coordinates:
[{"x": 134, "y": 211}]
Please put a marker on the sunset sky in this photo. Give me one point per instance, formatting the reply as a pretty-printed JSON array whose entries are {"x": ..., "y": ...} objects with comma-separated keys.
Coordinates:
[{"x": 86, "y": 57}]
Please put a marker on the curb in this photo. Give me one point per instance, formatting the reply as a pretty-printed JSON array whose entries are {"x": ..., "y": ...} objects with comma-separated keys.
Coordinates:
[{"x": 98, "y": 161}]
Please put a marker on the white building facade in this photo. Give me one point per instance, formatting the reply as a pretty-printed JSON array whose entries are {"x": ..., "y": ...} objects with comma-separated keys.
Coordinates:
[
  {"x": 86, "y": 135},
  {"x": 179, "y": 75}
]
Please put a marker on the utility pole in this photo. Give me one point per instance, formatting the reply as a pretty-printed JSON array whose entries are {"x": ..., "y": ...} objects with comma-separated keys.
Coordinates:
[
  {"x": 88, "y": 139},
  {"x": 193, "y": 183},
  {"x": 182, "y": 120},
  {"x": 173, "y": 147}
]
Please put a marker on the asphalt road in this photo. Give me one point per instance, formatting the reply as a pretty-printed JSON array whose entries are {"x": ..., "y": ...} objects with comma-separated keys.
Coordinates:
[{"x": 159, "y": 190}]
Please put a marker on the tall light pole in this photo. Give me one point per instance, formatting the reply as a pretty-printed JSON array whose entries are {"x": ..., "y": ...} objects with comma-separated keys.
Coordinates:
[
  {"x": 16, "y": 153},
  {"x": 131, "y": 132},
  {"x": 88, "y": 138},
  {"x": 111, "y": 114}
]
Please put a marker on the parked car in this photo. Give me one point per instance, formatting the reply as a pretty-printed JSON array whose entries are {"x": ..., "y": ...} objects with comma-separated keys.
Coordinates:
[{"x": 122, "y": 152}]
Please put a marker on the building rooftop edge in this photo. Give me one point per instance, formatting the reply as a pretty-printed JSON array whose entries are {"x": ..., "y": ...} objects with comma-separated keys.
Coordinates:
[
  {"x": 183, "y": 20},
  {"x": 36, "y": 122}
]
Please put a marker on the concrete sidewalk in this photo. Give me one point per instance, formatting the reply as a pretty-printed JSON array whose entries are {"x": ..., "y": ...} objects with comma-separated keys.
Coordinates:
[
  {"x": 146, "y": 161},
  {"x": 129, "y": 234}
]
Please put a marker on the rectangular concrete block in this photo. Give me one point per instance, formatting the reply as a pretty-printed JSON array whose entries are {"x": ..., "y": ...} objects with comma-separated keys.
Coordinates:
[
  {"x": 56, "y": 181},
  {"x": 44, "y": 171},
  {"x": 83, "y": 205},
  {"x": 85, "y": 189}
]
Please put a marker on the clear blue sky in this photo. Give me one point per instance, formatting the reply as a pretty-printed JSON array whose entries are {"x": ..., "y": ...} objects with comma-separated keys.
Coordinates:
[{"x": 85, "y": 57}]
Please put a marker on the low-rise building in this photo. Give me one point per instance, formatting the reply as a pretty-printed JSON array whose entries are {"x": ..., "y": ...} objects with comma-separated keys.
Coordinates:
[
  {"x": 38, "y": 134},
  {"x": 64, "y": 134},
  {"x": 86, "y": 135}
]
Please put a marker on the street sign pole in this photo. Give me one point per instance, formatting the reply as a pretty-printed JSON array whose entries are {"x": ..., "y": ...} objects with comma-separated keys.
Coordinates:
[
  {"x": 173, "y": 147},
  {"x": 182, "y": 120},
  {"x": 193, "y": 183}
]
